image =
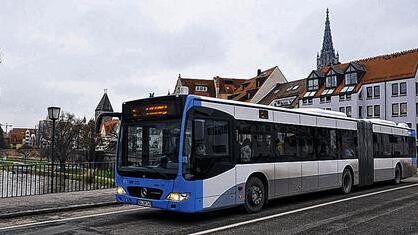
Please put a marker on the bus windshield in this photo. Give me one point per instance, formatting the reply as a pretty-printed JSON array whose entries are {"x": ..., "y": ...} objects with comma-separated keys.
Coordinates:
[{"x": 149, "y": 149}]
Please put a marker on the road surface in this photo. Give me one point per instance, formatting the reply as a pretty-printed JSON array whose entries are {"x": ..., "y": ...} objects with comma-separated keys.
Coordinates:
[{"x": 381, "y": 209}]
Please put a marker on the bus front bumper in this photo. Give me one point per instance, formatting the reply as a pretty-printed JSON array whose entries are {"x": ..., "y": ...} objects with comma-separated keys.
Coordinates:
[{"x": 186, "y": 206}]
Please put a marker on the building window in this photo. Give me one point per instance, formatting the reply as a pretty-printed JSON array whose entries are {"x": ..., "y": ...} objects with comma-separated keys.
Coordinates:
[
  {"x": 369, "y": 111},
  {"x": 377, "y": 111},
  {"x": 395, "y": 109},
  {"x": 376, "y": 91},
  {"x": 342, "y": 97},
  {"x": 328, "y": 99},
  {"x": 348, "y": 111},
  {"x": 201, "y": 88},
  {"x": 416, "y": 88},
  {"x": 313, "y": 84},
  {"x": 342, "y": 109},
  {"x": 369, "y": 92},
  {"x": 304, "y": 101},
  {"x": 360, "y": 111},
  {"x": 404, "y": 109},
  {"x": 360, "y": 95},
  {"x": 310, "y": 101},
  {"x": 409, "y": 124},
  {"x": 348, "y": 97},
  {"x": 331, "y": 81},
  {"x": 416, "y": 109},
  {"x": 322, "y": 99},
  {"x": 350, "y": 78},
  {"x": 328, "y": 109},
  {"x": 402, "y": 88},
  {"x": 395, "y": 89}
]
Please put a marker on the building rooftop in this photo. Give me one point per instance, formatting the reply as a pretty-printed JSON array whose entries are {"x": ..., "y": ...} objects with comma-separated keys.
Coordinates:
[
  {"x": 390, "y": 67},
  {"x": 191, "y": 83},
  {"x": 250, "y": 86},
  {"x": 285, "y": 90}
]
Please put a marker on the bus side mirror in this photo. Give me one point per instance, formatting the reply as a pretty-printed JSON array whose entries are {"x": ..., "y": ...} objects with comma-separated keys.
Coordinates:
[
  {"x": 199, "y": 130},
  {"x": 103, "y": 115}
]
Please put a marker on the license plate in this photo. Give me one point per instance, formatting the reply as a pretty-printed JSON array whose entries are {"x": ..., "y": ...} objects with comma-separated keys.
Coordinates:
[{"x": 144, "y": 203}]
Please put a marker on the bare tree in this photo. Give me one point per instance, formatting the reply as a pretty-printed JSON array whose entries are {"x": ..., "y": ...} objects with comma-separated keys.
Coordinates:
[
  {"x": 67, "y": 131},
  {"x": 2, "y": 142},
  {"x": 89, "y": 139}
]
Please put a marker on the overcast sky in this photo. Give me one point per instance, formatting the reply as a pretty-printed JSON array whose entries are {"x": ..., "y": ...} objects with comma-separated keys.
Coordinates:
[{"x": 65, "y": 53}]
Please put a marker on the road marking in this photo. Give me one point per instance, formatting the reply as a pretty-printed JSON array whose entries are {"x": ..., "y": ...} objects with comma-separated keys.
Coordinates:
[
  {"x": 71, "y": 218},
  {"x": 298, "y": 210}
]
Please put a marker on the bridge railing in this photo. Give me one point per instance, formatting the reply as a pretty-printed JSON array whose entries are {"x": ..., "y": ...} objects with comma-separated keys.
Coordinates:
[{"x": 18, "y": 180}]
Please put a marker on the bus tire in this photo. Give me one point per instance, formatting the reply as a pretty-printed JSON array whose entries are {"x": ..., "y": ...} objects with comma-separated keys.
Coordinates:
[
  {"x": 347, "y": 181},
  {"x": 398, "y": 175},
  {"x": 255, "y": 195}
]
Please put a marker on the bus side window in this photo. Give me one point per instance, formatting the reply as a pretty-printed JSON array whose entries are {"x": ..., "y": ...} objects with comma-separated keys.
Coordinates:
[
  {"x": 348, "y": 144},
  {"x": 245, "y": 142},
  {"x": 306, "y": 145},
  {"x": 286, "y": 143}
]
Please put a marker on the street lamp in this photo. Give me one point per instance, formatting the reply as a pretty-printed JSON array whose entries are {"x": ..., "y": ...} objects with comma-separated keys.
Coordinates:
[{"x": 53, "y": 114}]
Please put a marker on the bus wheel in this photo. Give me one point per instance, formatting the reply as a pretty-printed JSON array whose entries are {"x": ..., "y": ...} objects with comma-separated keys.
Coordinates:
[
  {"x": 347, "y": 181},
  {"x": 398, "y": 175},
  {"x": 255, "y": 196}
]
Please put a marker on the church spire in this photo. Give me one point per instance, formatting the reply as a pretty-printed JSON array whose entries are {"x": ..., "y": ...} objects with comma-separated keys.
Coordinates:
[
  {"x": 327, "y": 55},
  {"x": 104, "y": 105}
]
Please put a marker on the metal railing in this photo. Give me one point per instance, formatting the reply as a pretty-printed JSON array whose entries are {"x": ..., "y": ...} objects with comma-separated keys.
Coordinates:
[{"x": 35, "y": 179}]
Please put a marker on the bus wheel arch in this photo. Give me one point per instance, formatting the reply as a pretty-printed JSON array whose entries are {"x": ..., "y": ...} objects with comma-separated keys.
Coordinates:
[
  {"x": 254, "y": 180},
  {"x": 347, "y": 180}
]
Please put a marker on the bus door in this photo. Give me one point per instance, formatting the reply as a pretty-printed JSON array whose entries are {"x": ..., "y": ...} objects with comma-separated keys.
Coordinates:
[{"x": 212, "y": 158}]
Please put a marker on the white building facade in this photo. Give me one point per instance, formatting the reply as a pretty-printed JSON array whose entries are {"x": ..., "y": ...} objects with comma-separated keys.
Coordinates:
[{"x": 385, "y": 87}]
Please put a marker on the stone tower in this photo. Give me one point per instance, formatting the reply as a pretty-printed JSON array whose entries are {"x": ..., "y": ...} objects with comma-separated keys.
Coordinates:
[
  {"x": 104, "y": 105},
  {"x": 327, "y": 56}
]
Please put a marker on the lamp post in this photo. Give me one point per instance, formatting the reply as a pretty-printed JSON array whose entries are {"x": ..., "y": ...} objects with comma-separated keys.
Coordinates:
[{"x": 53, "y": 114}]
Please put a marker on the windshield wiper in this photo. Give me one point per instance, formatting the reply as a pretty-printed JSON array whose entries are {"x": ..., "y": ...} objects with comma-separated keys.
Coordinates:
[{"x": 158, "y": 172}]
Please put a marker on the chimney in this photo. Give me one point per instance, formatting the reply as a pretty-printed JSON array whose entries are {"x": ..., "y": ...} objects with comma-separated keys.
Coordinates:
[{"x": 258, "y": 72}]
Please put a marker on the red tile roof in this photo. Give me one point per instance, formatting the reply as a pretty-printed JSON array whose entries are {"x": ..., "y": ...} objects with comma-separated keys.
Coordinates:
[
  {"x": 110, "y": 126},
  {"x": 284, "y": 90},
  {"x": 250, "y": 86},
  {"x": 228, "y": 85},
  {"x": 400, "y": 65},
  {"x": 191, "y": 83}
]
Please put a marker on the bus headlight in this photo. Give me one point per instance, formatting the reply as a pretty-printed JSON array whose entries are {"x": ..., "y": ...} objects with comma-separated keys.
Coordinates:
[
  {"x": 178, "y": 197},
  {"x": 120, "y": 190}
]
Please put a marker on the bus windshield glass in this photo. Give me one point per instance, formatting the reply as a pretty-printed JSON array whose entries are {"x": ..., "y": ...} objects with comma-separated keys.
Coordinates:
[{"x": 149, "y": 149}]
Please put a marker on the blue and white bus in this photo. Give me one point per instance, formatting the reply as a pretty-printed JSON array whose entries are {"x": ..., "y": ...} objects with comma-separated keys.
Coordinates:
[{"x": 191, "y": 154}]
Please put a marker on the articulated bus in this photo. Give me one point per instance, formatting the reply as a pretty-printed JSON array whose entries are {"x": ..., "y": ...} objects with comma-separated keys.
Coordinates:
[{"x": 191, "y": 154}]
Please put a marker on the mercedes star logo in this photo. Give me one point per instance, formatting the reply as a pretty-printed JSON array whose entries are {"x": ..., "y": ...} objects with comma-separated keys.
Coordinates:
[{"x": 144, "y": 192}]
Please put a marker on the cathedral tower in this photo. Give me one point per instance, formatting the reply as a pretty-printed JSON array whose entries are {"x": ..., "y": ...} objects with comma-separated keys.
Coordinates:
[{"x": 327, "y": 56}]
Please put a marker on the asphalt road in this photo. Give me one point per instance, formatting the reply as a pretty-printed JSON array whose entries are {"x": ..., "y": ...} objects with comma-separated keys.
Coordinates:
[{"x": 381, "y": 209}]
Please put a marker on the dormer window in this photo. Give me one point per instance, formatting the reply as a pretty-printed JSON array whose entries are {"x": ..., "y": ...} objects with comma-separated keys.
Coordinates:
[
  {"x": 351, "y": 78},
  {"x": 201, "y": 88},
  {"x": 351, "y": 73},
  {"x": 331, "y": 81},
  {"x": 313, "y": 84}
]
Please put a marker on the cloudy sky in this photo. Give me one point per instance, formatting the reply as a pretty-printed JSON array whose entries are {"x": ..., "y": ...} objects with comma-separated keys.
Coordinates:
[{"x": 66, "y": 52}]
